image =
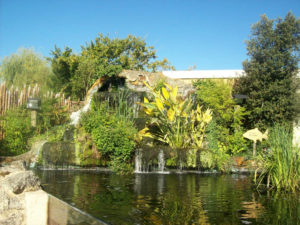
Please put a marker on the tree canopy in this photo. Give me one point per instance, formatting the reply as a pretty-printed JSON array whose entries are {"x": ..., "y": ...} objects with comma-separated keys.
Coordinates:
[
  {"x": 64, "y": 65},
  {"x": 104, "y": 56},
  {"x": 26, "y": 67},
  {"x": 271, "y": 70}
]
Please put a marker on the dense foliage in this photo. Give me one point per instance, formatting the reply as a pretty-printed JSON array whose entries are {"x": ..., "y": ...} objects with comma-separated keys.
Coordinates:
[
  {"x": 271, "y": 69},
  {"x": 74, "y": 74},
  {"x": 113, "y": 134},
  {"x": 215, "y": 157},
  {"x": 175, "y": 123},
  {"x": 280, "y": 163},
  {"x": 226, "y": 133},
  {"x": 18, "y": 130},
  {"x": 64, "y": 65},
  {"x": 51, "y": 114},
  {"x": 25, "y": 68}
]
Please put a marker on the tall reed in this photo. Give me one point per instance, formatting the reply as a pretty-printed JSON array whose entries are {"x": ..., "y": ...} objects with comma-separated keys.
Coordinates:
[{"x": 280, "y": 165}]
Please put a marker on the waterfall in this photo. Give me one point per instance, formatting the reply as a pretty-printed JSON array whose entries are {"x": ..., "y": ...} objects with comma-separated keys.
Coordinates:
[
  {"x": 35, "y": 152},
  {"x": 138, "y": 161},
  {"x": 75, "y": 116},
  {"x": 161, "y": 161}
]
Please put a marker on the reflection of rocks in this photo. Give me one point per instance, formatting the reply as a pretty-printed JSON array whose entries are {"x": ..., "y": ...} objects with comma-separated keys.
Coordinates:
[{"x": 15, "y": 181}]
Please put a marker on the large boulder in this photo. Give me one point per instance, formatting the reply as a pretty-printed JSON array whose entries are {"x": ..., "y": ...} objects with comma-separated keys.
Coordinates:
[{"x": 14, "y": 182}]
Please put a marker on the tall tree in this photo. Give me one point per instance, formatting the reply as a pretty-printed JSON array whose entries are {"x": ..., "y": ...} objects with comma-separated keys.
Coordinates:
[
  {"x": 271, "y": 70},
  {"x": 106, "y": 57},
  {"x": 128, "y": 53},
  {"x": 26, "y": 67},
  {"x": 63, "y": 64}
]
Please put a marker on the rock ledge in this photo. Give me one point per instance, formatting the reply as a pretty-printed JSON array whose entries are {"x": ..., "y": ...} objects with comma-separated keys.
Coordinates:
[{"x": 15, "y": 181}]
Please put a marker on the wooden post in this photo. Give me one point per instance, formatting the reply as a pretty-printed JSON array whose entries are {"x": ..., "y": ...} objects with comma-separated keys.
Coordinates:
[
  {"x": 254, "y": 148},
  {"x": 33, "y": 118}
]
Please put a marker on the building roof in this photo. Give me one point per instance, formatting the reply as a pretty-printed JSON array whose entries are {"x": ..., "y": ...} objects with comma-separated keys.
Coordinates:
[{"x": 200, "y": 74}]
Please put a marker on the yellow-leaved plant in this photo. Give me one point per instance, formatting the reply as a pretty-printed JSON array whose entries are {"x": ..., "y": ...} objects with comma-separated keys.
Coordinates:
[{"x": 173, "y": 121}]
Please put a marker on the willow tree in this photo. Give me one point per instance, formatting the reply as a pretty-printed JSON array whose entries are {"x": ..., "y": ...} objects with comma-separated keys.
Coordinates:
[
  {"x": 26, "y": 67},
  {"x": 271, "y": 71}
]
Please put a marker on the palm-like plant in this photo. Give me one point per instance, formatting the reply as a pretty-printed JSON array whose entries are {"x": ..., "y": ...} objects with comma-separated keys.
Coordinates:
[{"x": 176, "y": 124}]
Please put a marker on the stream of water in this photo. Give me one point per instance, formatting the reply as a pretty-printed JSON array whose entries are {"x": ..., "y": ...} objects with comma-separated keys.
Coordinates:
[{"x": 171, "y": 198}]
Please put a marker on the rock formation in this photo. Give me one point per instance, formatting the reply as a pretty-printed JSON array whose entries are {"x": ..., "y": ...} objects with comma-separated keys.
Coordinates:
[{"x": 15, "y": 181}]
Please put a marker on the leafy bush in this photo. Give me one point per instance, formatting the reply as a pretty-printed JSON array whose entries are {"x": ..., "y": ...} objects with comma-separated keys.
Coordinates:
[
  {"x": 113, "y": 136},
  {"x": 18, "y": 130},
  {"x": 217, "y": 96},
  {"x": 173, "y": 122},
  {"x": 51, "y": 114},
  {"x": 280, "y": 165},
  {"x": 216, "y": 156}
]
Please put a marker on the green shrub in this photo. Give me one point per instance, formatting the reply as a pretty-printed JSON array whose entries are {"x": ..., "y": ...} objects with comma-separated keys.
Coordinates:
[
  {"x": 18, "y": 130},
  {"x": 229, "y": 116},
  {"x": 113, "y": 135},
  {"x": 115, "y": 138},
  {"x": 51, "y": 114},
  {"x": 280, "y": 164},
  {"x": 216, "y": 156}
]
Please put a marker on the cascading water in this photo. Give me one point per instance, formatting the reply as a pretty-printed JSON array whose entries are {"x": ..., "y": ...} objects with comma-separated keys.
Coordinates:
[
  {"x": 138, "y": 161},
  {"x": 35, "y": 151},
  {"x": 75, "y": 116},
  {"x": 161, "y": 161}
]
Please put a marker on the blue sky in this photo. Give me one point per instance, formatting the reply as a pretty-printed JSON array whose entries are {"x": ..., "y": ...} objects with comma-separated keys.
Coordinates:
[{"x": 209, "y": 34}]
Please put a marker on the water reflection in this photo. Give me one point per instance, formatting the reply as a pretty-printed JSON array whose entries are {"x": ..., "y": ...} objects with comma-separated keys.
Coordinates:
[{"x": 171, "y": 198}]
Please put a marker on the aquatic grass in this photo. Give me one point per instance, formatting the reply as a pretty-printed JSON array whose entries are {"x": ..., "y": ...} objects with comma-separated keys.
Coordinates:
[{"x": 280, "y": 165}]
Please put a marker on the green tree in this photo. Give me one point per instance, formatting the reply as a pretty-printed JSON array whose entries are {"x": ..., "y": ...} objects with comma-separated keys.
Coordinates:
[
  {"x": 229, "y": 116},
  {"x": 25, "y": 67},
  {"x": 102, "y": 57},
  {"x": 271, "y": 69},
  {"x": 108, "y": 57},
  {"x": 132, "y": 53},
  {"x": 64, "y": 65},
  {"x": 84, "y": 76}
]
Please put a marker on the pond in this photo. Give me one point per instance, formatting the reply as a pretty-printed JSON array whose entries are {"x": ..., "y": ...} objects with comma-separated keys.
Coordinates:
[{"x": 170, "y": 198}]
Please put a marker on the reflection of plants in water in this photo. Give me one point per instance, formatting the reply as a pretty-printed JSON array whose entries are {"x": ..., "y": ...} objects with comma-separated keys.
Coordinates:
[
  {"x": 179, "y": 203},
  {"x": 253, "y": 209},
  {"x": 224, "y": 205},
  {"x": 282, "y": 208},
  {"x": 94, "y": 195},
  {"x": 172, "y": 199},
  {"x": 182, "y": 210}
]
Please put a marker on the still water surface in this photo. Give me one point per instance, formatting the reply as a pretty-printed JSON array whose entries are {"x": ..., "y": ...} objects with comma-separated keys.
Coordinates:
[{"x": 171, "y": 198}]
